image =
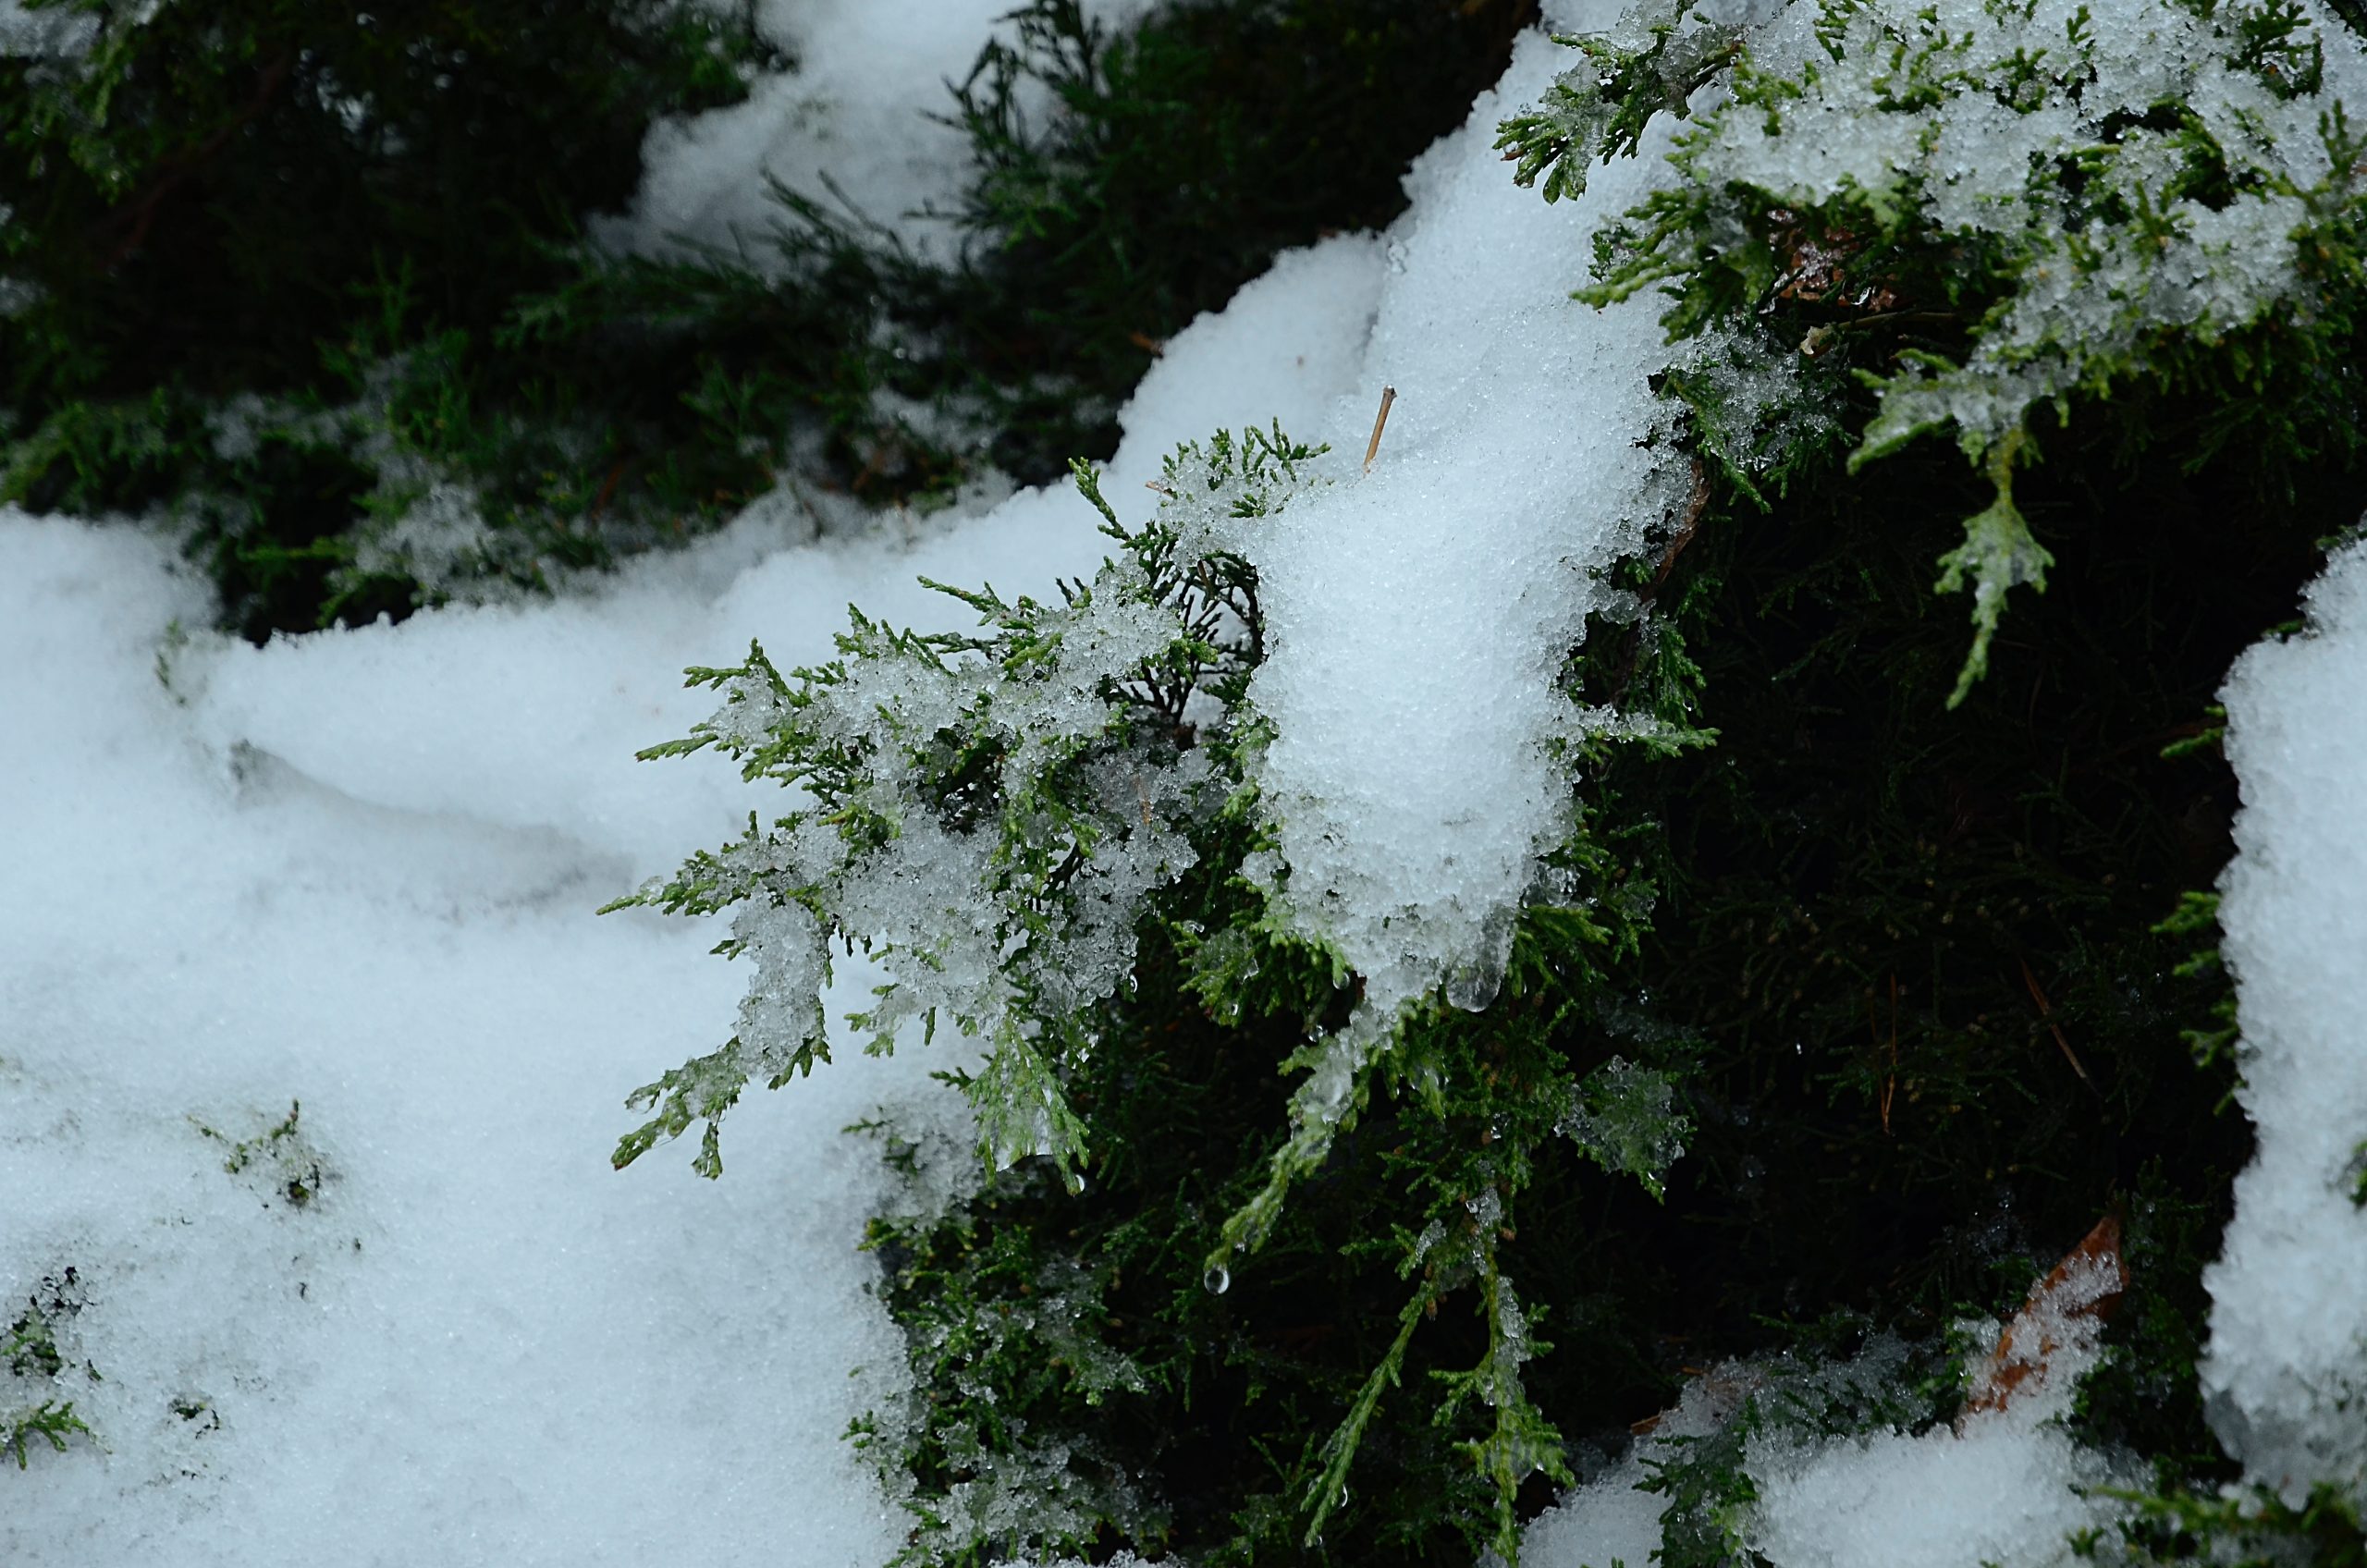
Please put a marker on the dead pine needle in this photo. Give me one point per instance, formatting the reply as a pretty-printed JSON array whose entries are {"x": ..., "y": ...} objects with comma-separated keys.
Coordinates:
[
  {"x": 1890, "y": 1079},
  {"x": 1379, "y": 423},
  {"x": 2046, "y": 1016}
]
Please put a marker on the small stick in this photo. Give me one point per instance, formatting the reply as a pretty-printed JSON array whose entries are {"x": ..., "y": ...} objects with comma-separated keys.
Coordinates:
[
  {"x": 2046, "y": 1016},
  {"x": 608, "y": 487},
  {"x": 1890, "y": 1083},
  {"x": 1379, "y": 423},
  {"x": 1694, "y": 508}
]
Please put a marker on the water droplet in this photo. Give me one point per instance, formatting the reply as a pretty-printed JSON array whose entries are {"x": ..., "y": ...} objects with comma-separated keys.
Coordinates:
[
  {"x": 1217, "y": 1280},
  {"x": 1472, "y": 990}
]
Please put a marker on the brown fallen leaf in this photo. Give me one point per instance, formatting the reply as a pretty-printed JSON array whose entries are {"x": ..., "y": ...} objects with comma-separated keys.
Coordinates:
[{"x": 2065, "y": 1310}]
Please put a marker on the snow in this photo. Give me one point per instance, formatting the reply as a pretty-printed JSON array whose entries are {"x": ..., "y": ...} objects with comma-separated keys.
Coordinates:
[
  {"x": 2287, "y": 1374},
  {"x": 2009, "y": 1487},
  {"x": 1225, "y": 372},
  {"x": 2092, "y": 293},
  {"x": 2006, "y": 1484},
  {"x": 863, "y": 108},
  {"x": 1422, "y": 613},
  {"x": 356, "y": 870},
  {"x": 56, "y": 32},
  {"x": 473, "y": 1340},
  {"x": 1609, "y": 1520}
]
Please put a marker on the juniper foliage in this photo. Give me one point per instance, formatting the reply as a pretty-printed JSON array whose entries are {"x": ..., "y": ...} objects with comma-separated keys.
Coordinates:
[
  {"x": 29, "y": 1354},
  {"x": 1901, "y": 962},
  {"x": 1032, "y": 829},
  {"x": 253, "y": 253},
  {"x": 312, "y": 285},
  {"x": 2013, "y": 211}
]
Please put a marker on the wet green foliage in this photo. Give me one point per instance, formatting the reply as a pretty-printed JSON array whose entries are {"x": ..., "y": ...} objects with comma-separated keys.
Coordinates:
[
  {"x": 279, "y": 1157},
  {"x": 2253, "y": 1528},
  {"x": 33, "y": 1363},
  {"x": 254, "y": 248},
  {"x": 1926, "y": 959},
  {"x": 1965, "y": 316},
  {"x": 961, "y": 796},
  {"x": 1229, "y": 1416},
  {"x": 1907, "y": 964},
  {"x": 1178, "y": 155},
  {"x": 289, "y": 277},
  {"x": 1185, "y": 153}
]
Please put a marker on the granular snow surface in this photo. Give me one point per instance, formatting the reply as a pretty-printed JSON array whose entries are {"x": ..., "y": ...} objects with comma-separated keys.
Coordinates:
[
  {"x": 420, "y": 1320},
  {"x": 356, "y": 870},
  {"x": 2285, "y": 1377}
]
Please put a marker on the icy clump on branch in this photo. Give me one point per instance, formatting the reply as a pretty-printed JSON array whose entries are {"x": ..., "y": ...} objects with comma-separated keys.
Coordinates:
[
  {"x": 55, "y": 34},
  {"x": 1422, "y": 614},
  {"x": 1018, "y": 1490},
  {"x": 2093, "y": 291},
  {"x": 1399, "y": 728},
  {"x": 2011, "y": 1487},
  {"x": 987, "y": 812},
  {"x": 2286, "y": 1376},
  {"x": 1838, "y": 1466},
  {"x": 2006, "y": 1483},
  {"x": 1966, "y": 112},
  {"x": 2006, "y": 1486},
  {"x": 1613, "y": 1518},
  {"x": 2100, "y": 193},
  {"x": 1624, "y": 1117},
  {"x": 1418, "y": 769}
]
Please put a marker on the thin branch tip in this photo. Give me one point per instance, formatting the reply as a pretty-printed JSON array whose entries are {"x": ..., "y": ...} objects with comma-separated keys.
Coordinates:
[{"x": 1379, "y": 423}]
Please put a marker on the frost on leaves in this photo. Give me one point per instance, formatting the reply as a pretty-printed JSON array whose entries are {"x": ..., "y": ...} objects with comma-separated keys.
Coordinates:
[
  {"x": 984, "y": 813},
  {"x": 1991, "y": 206}
]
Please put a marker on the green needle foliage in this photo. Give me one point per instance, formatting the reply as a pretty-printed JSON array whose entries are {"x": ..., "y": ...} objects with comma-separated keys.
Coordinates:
[
  {"x": 2135, "y": 257},
  {"x": 1906, "y": 994},
  {"x": 1039, "y": 834},
  {"x": 1184, "y": 152},
  {"x": 252, "y": 252},
  {"x": 1176, "y": 157},
  {"x": 31, "y": 1358},
  {"x": 310, "y": 284},
  {"x": 1910, "y": 965},
  {"x": 52, "y": 1422}
]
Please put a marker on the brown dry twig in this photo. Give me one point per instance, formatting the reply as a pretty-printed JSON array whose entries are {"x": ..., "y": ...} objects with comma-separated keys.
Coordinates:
[
  {"x": 1380, "y": 423},
  {"x": 132, "y": 221},
  {"x": 1890, "y": 1079},
  {"x": 2046, "y": 1016}
]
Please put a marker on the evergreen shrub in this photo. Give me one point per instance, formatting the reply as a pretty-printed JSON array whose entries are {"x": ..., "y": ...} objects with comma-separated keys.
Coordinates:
[
  {"x": 1877, "y": 971},
  {"x": 313, "y": 284},
  {"x": 252, "y": 253}
]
